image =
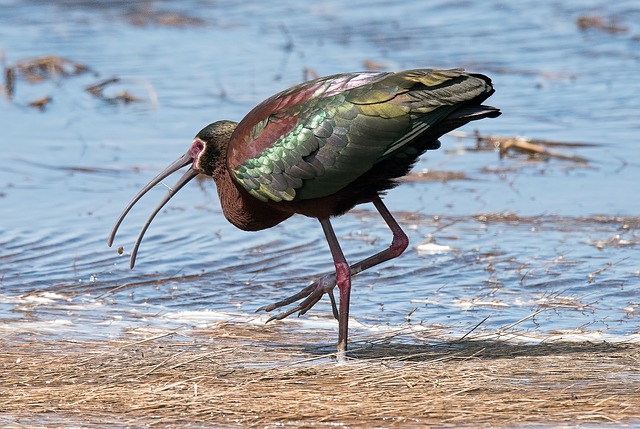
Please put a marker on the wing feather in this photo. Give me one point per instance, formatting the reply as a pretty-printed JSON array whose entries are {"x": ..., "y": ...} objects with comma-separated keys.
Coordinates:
[{"x": 314, "y": 139}]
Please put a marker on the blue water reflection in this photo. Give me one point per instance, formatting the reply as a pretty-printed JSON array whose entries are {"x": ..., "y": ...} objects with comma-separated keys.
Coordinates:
[{"x": 66, "y": 173}]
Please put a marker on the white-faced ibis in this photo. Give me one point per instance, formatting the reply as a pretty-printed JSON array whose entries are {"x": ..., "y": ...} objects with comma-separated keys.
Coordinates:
[{"x": 320, "y": 148}]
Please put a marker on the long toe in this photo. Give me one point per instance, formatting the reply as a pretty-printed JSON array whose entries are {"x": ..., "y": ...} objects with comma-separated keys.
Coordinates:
[
  {"x": 310, "y": 296},
  {"x": 290, "y": 300},
  {"x": 325, "y": 285},
  {"x": 301, "y": 308}
]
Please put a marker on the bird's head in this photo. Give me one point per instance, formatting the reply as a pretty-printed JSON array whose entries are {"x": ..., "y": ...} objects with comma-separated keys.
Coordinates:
[
  {"x": 209, "y": 147},
  {"x": 206, "y": 155}
]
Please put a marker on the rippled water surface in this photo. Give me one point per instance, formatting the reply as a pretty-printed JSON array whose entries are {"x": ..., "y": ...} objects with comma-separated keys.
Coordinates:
[{"x": 515, "y": 236}]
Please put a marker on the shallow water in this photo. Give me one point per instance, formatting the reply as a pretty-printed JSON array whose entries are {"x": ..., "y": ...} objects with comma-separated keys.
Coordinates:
[{"x": 517, "y": 236}]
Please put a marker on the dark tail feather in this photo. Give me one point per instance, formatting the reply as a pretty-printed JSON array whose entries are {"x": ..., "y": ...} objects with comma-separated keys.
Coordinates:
[
  {"x": 456, "y": 119},
  {"x": 465, "y": 115},
  {"x": 472, "y": 113}
]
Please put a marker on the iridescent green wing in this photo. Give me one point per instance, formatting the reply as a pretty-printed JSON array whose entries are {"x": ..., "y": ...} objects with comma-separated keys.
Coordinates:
[{"x": 317, "y": 138}]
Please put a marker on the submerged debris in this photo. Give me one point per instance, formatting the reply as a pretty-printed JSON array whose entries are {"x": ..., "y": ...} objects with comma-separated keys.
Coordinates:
[
  {"x": 48, "y": 67},
  {"x": 609, "y": 25},
  {"x": 534, "y": 148},
  {"x": 97, "y": 90},
  {"x": 435, "y": 176},
  {"x": 36, "y": 70},
  {"x": 309, "y": 73},
  {"x": 40, "y": 103},
  {"x": 537, "y": 149},
  {"x": 374, "y": 65},
  {"x": 9, "y": 83},
  {"x": 148, "y": 16}
]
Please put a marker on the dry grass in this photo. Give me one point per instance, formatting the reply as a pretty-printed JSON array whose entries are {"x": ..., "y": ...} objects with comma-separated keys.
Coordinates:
[{"x": 238, "y": 375}]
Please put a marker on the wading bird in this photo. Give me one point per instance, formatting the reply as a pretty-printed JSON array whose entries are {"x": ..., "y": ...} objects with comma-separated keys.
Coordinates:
[{"x": 320, "y": 148}]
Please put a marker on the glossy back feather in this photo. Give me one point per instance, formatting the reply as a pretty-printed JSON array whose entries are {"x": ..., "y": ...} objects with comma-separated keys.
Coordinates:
[{"x": 350, "y": 130}]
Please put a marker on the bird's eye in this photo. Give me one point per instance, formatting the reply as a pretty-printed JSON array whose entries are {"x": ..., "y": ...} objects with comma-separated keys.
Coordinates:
[{"x": 196, "y": 147}]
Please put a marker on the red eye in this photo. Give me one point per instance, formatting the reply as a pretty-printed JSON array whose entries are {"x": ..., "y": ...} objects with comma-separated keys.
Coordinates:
[{"x": 196, "y": 148}]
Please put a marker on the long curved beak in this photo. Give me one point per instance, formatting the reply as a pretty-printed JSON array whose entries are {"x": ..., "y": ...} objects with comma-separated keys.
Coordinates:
[{"x": 176, "y": 165}]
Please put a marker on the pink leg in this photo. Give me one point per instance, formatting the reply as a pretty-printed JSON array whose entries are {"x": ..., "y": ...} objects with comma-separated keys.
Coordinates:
[
  {"x": 312, "y": 293},
  {"x": 398, "y": 244},
  {"x": 343, "y": 280}
]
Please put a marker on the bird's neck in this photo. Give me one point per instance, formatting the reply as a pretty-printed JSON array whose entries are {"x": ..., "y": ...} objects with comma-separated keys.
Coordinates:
[{"x": 243, "y": 210}]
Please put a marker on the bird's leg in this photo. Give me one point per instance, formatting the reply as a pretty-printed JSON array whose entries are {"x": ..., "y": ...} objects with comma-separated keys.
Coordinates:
[
  {"x": 398, "y": 245},
  {"x": 313, "y": 293},
  {"x": 343, "y": 280}
]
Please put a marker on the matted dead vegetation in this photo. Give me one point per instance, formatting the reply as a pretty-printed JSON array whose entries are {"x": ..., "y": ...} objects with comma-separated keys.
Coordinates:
[
  {"x": 53, "y": 67},
  {"x": 534, "y": 149},
  {"x": 248, "y": 376}
]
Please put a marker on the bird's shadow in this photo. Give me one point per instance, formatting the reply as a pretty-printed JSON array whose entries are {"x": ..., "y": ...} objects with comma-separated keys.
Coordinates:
[{"x": 466, "y": 349}]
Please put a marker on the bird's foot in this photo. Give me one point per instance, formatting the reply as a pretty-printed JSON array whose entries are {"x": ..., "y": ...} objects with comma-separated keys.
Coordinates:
[{"x": 311, "y": 295}]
